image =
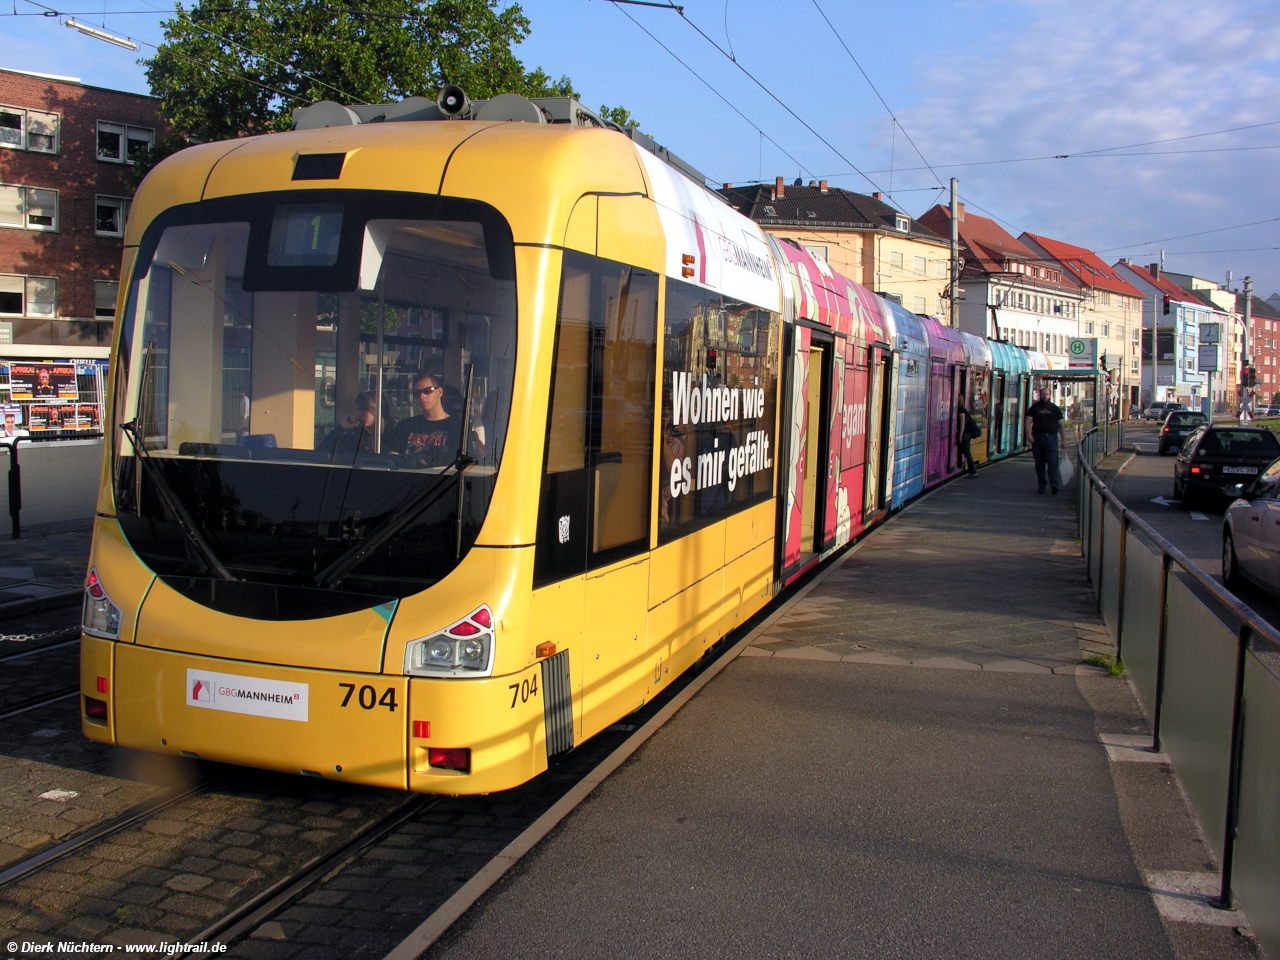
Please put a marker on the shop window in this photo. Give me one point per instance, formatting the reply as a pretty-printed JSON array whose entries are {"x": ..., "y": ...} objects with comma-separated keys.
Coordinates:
[
  {"x": 104, "y": 298},
  {"x": 597, "y": 476},
  {"x": 120, "y": 143},
  {"x": 109, "y": 216}
]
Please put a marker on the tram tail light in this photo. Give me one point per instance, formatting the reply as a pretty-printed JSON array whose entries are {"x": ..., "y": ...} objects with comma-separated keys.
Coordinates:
[
  {"x": 450, "y": 758},
  {"x": 95, "y": 710},
  {"x": 463, "y": 649},
  {"x": 99, "y": 617}
]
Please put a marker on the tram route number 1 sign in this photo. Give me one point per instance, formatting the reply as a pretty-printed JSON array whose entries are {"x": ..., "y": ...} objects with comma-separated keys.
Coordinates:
[{"x": 1082, "y": 353}]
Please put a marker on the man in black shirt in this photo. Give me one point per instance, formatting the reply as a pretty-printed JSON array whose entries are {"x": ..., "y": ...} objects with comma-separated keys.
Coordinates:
[
  {"x": 1044, "y": 424},
  {"x": 429, "y": 439}
]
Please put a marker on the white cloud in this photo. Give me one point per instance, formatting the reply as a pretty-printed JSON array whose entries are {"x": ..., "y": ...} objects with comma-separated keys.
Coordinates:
[{"x": 1086, "y": 75}]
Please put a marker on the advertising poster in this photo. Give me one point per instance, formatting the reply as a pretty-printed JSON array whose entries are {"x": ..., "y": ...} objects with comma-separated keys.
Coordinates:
[
  {"x": 38, "y": 417},
  {"x": 12, "y": 421},
  {"x": 43, "y": 381}
]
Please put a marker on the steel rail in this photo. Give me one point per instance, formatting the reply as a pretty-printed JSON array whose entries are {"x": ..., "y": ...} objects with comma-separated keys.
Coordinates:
[
  {"x": 1260, "y": 627},
  {"x": 35, "y": 650},
  {"x": 247, "y": 917},
  {"x": 129, "y": 817},
  {"x": 42, "y": 701}
]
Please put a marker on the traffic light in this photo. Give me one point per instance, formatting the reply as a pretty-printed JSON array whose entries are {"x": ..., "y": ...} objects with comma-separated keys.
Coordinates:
[
  {"x": 1249, "y": 376},
  {"x": 1166, "y": 304},
  {"x": 711, "y": 358}
]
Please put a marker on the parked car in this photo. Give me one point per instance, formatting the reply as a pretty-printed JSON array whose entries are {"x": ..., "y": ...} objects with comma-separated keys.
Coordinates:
[
  {"x": 1271, "y": 410},
  {"x": 1251, "y": 531},
  {"x": 1216, "y": 456},
  {"x": 1177, "y": 427},
  {"x": 1156, "y": 411}
]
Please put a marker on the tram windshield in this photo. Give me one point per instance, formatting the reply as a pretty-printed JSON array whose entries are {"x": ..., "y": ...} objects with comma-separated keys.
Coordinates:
[{"x": 312, "y": 394}]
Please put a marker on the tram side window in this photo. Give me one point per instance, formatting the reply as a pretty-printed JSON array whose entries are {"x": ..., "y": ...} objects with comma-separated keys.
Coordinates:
[
  {"x": 718, "y": 390},
  {"x": 598, "y": 463}
]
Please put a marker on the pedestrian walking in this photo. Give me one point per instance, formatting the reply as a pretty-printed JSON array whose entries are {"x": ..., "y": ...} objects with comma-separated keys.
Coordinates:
[
  {"x": 1048, "y": 432},
  {"x": 968, "y": 430}
]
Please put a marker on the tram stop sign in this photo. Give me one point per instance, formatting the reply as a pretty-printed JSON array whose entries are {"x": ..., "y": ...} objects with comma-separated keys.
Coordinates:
[{"x": 1082, "y": 352}]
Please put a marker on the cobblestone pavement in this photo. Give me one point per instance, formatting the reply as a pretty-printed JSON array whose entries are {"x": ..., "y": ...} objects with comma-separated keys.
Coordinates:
[
  {"x": 45, "y": 561},
  {"x": 170, "y": 876}
]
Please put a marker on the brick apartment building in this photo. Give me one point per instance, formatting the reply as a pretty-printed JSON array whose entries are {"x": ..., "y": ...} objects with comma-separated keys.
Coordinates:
[{"x": 64, "y": 149}]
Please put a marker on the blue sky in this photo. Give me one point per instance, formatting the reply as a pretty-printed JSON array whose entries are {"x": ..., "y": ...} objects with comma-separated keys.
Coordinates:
[{"x": 968, "y": 82}]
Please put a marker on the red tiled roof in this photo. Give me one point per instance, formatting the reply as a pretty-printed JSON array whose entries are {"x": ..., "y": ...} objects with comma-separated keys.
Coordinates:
[
  {"x": 1161, "y": 283},
  {"x": 989, "y": 245},
  {"x": 1086, "y": 266}
]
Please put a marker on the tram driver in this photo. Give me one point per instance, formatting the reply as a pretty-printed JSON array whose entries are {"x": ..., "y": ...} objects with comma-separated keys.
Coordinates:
[{"x": 429, "y": 438}]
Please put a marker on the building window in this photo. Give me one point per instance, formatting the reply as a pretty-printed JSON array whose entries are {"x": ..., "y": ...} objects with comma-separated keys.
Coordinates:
[
  {"x": 109, "y": 216},
  {"x": 895, "y": 297},
  {"x": 940, "y": 269},
  {"x": 104, "y": 298},
  {"x": 820, "y": 252},
  {"x": 918, "y": 304},
  {"x": 118, "y": 143},
  {"x": 28, "y": 208},
  {"x": 769, "y": 211},
  {"x": 918, "y": 265},
  {"x": 1106, "y": 329},
  {"x": 1106, "y": 298},
  {"x": 28, "y": 296},
  {"x": 1088, "y": 328},
  {"x": 902, "y": 223},
  {"x": 22, "y": 129},
  {"x": 1133, "y": 366},
  {"x": 895, "y": 259}
]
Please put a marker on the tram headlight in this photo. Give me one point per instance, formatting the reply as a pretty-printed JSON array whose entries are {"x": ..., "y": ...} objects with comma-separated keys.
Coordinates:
[
  {"x": 99, "y": 616},
  {"x": 463, "y": 649}
]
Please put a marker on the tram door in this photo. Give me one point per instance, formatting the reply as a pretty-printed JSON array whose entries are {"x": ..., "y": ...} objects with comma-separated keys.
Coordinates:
[
  {"x": 997, "y": 414},
  {"x": 879, "y": 421},
  {"x": 817, "y": 400}
]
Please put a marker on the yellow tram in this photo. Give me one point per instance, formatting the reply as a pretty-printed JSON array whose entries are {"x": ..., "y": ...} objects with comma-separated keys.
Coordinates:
[{"x": 437, "y": 447}]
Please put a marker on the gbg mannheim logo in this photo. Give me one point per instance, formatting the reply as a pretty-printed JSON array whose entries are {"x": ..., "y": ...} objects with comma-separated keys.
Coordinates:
[{"x": 256, "y": 696}]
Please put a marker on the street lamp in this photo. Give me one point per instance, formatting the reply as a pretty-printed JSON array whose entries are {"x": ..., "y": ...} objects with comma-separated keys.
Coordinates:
[{"x": 97, "y": 34}]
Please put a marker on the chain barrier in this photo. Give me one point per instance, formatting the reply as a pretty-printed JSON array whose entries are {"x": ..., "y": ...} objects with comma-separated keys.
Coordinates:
[{"x": 62, "y": 633}]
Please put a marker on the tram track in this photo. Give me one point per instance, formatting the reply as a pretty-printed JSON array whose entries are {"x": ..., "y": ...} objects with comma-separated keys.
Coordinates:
[
  {"x": 122, "y": 821},
  {"x": 248, "y": 916},
  {"x": 36, "y": 703}
]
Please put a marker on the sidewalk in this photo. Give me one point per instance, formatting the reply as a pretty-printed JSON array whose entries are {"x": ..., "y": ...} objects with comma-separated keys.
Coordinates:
[
  {"x": 50, "y": 558},
  {"x": 909, "y": 764}
]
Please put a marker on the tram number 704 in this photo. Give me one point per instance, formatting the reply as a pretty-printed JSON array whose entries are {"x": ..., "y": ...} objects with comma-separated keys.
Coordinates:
[
  {"x": 523, "y": 690},
  {"x": 368, "y": 697}
]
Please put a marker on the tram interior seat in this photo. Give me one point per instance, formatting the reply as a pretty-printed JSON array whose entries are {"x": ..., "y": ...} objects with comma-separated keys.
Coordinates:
[{"x": 219, "y": 451}]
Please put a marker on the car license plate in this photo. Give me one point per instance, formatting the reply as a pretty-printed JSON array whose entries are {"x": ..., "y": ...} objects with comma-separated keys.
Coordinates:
[{"x": 1249, "y": 470}]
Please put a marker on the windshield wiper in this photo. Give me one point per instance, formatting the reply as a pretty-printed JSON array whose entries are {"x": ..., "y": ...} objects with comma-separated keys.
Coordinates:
[
  {"x": 401, "y": 518},
  {"x": 204, "y": 552},
  {"x": 408, "y": 511}
]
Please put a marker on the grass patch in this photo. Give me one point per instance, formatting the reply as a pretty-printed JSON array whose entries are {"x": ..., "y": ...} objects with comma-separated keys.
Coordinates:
[{"x": 1114, "y": 667}]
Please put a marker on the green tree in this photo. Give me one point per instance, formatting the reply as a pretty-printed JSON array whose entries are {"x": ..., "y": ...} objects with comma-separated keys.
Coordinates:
[
  {"x": 619, "y": 115},
  {"x": 230, "y": 69}
]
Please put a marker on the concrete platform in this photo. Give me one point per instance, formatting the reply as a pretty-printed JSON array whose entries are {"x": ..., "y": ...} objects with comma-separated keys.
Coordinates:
[{"x": 822, "y": 797}]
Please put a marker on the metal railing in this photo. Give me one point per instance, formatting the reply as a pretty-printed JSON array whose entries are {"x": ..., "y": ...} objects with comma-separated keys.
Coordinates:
[
  {"x": 1197, "y": 658},
  {"x": 15, "y": 476}
]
